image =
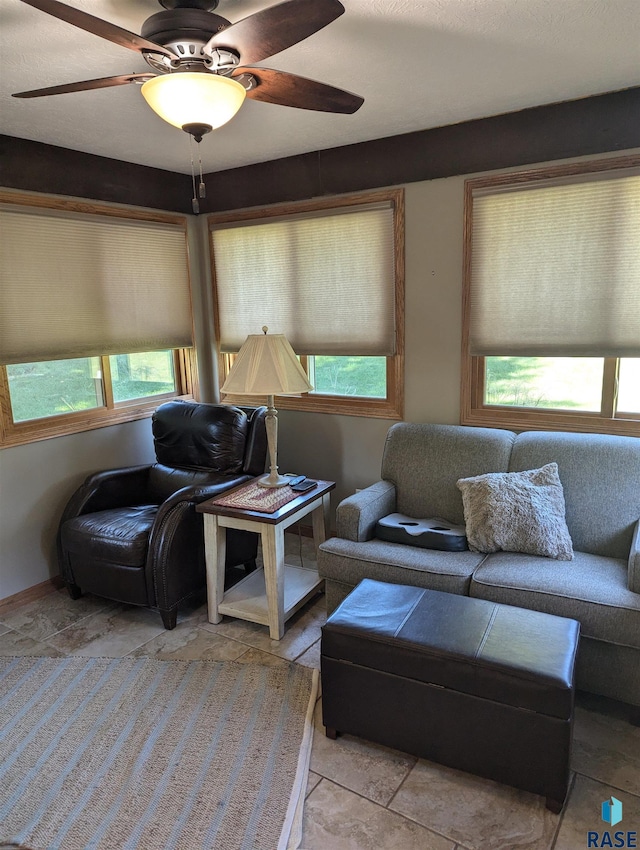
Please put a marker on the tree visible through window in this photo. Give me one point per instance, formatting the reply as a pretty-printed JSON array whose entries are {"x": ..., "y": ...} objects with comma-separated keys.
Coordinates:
[
  {"x": 59, "y": 387},
  {"x": 365, "y": 377}
]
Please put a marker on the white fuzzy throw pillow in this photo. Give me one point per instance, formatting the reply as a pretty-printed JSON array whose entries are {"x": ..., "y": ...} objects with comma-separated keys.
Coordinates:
[{"x": 517, "y": 512}]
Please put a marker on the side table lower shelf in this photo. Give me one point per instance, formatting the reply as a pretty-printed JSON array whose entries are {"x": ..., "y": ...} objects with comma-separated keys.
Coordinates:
[{"x": 247, "y": 600}]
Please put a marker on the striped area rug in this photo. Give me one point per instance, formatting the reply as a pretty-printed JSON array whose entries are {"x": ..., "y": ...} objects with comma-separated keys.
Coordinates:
[{"x": 140, "y": 754}]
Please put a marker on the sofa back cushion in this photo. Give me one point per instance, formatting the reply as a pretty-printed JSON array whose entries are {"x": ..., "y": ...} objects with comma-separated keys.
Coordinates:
[
  {"x": 600, "y": 475},
  {"x": 425, "y": 462}
]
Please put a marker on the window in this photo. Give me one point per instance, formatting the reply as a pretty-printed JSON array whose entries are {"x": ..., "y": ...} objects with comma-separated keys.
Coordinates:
[
  {"x": 329, "y": 275},
  {"x": 95, "y": 324},
  {"x": 551, "y": 310}
]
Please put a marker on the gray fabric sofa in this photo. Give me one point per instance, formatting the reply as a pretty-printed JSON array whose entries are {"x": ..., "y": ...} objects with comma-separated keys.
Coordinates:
[{"x": 600, "y": 587}]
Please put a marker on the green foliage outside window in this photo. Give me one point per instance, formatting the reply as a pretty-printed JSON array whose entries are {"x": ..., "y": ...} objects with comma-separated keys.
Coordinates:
[
  {"x": 141, "y": 375},
  {"x": 56, "y": 387},
  {"x": 557, "y": 383},
  {"x": 349, "y": 376},
  {"x": 53, "y": 388}
]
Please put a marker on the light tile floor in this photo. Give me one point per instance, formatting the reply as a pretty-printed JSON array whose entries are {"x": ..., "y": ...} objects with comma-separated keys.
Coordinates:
[{"x": 360, "y": 795}]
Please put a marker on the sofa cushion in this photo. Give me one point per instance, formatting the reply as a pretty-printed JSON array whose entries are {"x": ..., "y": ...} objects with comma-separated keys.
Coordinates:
[
  {"x": 517, "y": 512},
  {"x": 600, "y": 475},
  {"x": 349, "y": 562},
  {"x": 424, "y": 462},
  {"x": 591, "y": 589}
]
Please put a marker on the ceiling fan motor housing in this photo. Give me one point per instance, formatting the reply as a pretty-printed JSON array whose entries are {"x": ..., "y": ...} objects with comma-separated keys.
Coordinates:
[
  {"x": 183, "y": 25},
  {"x": 207, "y": 5},
  {"x": 185, "y": 31}
]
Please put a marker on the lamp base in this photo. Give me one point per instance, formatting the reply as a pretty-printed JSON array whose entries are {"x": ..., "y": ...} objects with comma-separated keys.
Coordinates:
[{"x": 273, "y": 480}]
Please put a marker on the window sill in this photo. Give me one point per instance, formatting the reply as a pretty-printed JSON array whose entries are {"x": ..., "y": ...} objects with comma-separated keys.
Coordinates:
[
  {"x": 528, "y": 419},
  {"x": 377, "y": 408},
  {"x": 75, "y": 423}
]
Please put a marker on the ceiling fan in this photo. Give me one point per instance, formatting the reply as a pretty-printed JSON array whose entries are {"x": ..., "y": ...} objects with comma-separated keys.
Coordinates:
[{"x": 194, "y": 51}]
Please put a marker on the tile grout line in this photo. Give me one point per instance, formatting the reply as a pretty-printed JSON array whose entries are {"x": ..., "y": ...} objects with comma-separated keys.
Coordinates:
[
  {"x": 564, "y": 811},
  {"x": 68, "y": 626},
  {"x": 608, "y": 784},
  {"x": 379, "y": 806}
]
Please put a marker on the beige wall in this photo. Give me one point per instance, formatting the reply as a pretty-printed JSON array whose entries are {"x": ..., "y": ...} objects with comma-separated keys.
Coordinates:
[{"x": 36, "y": 481}]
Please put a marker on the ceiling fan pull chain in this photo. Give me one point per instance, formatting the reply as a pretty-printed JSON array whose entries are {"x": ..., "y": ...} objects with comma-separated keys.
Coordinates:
[
  {"x": 202, "y": 189},
  {"x": 194, "y": 201}
]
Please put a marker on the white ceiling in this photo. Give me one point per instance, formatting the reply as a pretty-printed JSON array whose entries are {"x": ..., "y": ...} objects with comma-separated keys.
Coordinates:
[{"x": 417, "y": 63}]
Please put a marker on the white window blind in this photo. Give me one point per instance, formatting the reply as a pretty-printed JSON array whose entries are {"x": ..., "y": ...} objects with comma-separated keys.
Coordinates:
[
  {"x": 75, "y": 285},
  {"x": 326, "y": 280},
  {"x": 555, "y": 268}
]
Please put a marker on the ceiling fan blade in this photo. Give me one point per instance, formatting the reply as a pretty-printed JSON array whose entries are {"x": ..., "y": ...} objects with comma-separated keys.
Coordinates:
[
  {"x": 274, "y": 29},
  {"x": 99, "y": 27},
  {"x": 86, "y": 85},
  {"x": 290, "y": 90}
]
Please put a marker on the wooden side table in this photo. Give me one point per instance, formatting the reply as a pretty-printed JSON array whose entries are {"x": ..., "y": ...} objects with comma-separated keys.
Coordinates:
[{"x": 271, "y": 595}]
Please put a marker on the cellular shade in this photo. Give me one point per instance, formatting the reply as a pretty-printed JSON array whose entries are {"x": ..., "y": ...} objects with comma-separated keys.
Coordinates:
[
  {"x": 555, "y": 268},
  {"x": 324, "y": 280},
  {"x": 76, "y": 285}
]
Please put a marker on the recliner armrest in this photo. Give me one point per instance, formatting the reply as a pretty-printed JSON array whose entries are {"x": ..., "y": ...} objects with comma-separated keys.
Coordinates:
[
  {"x": 197, "y": 493},
  {"x": 634, "y": 561},
  {"x": 357, "y": 515},
  {"x": 177, "y": 534},
  {"x": 112, "y": 488}
]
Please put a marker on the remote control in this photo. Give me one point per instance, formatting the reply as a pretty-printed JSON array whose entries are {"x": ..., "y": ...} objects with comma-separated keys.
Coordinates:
[
  {"x": 303, "y": 486},
  {"x": 295, "y": 479}
]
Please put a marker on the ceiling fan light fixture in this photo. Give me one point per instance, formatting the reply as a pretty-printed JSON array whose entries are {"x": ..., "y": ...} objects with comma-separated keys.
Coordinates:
[{"x": 188, "y": 98}]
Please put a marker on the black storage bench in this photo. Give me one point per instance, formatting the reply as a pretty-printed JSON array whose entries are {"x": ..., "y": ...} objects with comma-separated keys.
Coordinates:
[{"x": 475, "y": 685}]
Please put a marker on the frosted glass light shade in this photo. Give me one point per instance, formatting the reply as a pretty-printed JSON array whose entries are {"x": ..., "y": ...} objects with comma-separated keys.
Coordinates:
[
  {"x": 194, "y": 98},
  {"x": 266, "y": 365}
]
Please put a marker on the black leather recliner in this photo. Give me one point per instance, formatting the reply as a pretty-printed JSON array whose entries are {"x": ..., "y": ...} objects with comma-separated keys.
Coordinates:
[{"x": 133, "y": 534}]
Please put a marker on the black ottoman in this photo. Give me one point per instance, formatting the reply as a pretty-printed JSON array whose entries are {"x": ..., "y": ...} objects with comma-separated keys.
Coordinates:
[{"x": 474, "y": 685}]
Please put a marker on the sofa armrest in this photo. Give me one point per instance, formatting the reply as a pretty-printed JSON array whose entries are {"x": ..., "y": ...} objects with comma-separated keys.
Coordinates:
[
  {"x": 357, "y": 515},
  {"x": 634, "y": 561}
]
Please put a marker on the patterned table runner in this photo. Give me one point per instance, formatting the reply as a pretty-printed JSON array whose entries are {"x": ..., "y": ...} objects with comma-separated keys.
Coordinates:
[{"x": 254, "y": 497}]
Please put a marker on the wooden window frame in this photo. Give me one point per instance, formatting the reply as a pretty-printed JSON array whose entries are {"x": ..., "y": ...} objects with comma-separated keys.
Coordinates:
[
  {"x": 473, "y": 410},
  {"x": 391, "y": 407},
  {"x": 111, "y": 413}
]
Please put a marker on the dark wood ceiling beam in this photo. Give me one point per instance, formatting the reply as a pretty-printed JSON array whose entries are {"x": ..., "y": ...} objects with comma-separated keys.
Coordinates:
[
  {"x": 36, "y": 167},
  {"x": 591, "y": 125},
  {"x": 599, "y": 124}
]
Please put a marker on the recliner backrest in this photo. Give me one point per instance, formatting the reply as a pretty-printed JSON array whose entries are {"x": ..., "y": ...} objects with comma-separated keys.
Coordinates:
[
  {"x": 190, "y": 435},
  {"x": 196, "y": 444},
  {"x": 255, "y": 453}
]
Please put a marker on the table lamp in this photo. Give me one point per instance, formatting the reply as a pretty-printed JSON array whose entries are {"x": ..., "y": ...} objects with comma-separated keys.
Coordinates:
[{"x": 267, "y": 365}]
